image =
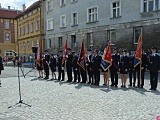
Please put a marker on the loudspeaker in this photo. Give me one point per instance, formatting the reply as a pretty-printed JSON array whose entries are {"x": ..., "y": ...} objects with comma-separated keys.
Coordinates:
[{"x": 34, "y": 49}]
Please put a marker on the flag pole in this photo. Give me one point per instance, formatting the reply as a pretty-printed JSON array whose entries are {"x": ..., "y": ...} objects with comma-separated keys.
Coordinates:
[
  {"x": 140, "y": 72},
  {"x": 85, "y": 56}
]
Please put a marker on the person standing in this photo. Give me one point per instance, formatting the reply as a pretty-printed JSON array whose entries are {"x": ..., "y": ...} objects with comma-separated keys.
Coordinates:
[
  {"x": 114, "y": 69},
  {"x": 154, "y": 64},
  {"x": 96, "y": 67},
  {"x": 89, "y": 66},
  {"x": 131, "y": 69},
  {"x": 69, "y": 65},
  {"x": 46, "y": 64},
  {"x": 76, "y": 70},
  {"x": 52, "y": 65},
  {"x": 60, "y": 66},
  {"x": 123, "y": 67},
  {"x": 1, "y": 65},
  {"x": 140, "y": 82}
]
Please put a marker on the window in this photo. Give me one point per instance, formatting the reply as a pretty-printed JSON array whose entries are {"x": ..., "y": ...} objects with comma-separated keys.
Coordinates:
[
  {"x": 27, "y": 28},
  {"x": 74, "y": 18},
  {"x": 92, "y": 14},
  {"x": 7, "y": 37},
  {"x": 116, "y": 9},
  {"x": 63, "y": 21},
  {"x": 50, "y": 24},
  {"x": 49, "y": 43},
  {"x": 23, "y": 31},
  {"x": 150, "y": 5},
  {"x": 37, "y": 25},
  {"x": 62, "y": 3},
  {"x": 8, "y": 53},
  {"x": 111, "y": 35},
  {"x": 89, "y": 40},
  {"x": 137, "y": 31},
  {"x": 32, "y": 43},
  {"x": 28, "y": 45},
  {"x": 7, "y": 25},
  {"x": 59, "y": 42},
  {"x": 73, "y": 39},
  {"x": 32, "y": 27},
  {"x": 50, "y": 5}
]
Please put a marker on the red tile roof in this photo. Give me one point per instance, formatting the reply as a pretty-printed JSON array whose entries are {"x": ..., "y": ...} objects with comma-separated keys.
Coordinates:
[{"x": 9, "y": 13}]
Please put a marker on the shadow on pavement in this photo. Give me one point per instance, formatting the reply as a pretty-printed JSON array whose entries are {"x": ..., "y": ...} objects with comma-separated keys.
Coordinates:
[{"x": 106, "y": 90}]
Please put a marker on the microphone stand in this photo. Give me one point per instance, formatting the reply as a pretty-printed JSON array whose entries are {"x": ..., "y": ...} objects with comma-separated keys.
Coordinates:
[{"x": 19, "y": 85}]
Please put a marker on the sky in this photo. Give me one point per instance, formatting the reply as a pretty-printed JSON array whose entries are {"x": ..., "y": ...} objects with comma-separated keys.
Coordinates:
[{"x": 16, "y": 4}]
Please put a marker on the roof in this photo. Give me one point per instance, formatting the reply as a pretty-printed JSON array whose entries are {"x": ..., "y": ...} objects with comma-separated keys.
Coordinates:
[
  {"x": 30, "y": 8},
  {"x": 9, "y": 13}
]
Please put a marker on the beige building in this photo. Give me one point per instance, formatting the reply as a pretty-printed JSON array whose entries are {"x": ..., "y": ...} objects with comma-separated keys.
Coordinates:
[{"x": 31, "y": 30}]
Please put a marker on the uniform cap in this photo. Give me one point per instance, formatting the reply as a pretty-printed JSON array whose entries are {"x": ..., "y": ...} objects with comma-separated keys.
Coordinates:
[
  {"x": 69, "y": 49},
  {"x": 154, "y": 48},
  {"x": 124, "y": 50},
  {"x": 114, "y": 48},
  {"x": 46, "y": 51},
  {"x": 96, "y": 50}
]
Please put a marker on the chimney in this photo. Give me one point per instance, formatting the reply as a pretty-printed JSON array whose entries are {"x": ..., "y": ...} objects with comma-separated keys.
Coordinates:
[
  {"x": 9, "y": 7},
  {"x": 24, "y": 7}
]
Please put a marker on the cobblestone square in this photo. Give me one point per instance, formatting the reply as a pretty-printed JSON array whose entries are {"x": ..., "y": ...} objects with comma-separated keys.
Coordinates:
[{"x": 54, "y": 100}]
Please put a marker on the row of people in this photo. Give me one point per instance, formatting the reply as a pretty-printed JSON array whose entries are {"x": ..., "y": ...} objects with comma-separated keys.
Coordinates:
[{"x": 122, "y": 64}]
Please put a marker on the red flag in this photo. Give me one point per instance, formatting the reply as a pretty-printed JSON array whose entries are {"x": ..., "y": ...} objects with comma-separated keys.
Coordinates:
[
  {"x": 38, "y": 59},
  {"x": 66, "y": 53},
  {"x": 81, "y": 59},
  {"x": 138, "y": 56},
  {"x": 107, "y": 56}
]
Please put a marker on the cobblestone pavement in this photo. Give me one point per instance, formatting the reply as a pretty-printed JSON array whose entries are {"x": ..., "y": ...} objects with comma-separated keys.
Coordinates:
[{"x": 54, "y": 100}]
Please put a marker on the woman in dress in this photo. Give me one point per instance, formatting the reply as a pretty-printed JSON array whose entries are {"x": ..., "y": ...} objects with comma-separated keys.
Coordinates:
[
  {"x": 52, "y": 65},
  {"x": 123, "y": 67}
]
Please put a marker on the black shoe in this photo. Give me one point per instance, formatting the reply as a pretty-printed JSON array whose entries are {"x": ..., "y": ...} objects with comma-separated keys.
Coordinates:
[
  {"x": 104, "y": 85},
  {"x": 46, "y": 78},
  {"x": 133, "y": 85},
  {"x": 121, "y": 86},
  {"x": 112, "y": 85},
  {"x": 116, "y": 86},
  {"x": 124, "y": 86},
  {"x": 130, "y": 85},
  {"x": 151, "y": 89}
]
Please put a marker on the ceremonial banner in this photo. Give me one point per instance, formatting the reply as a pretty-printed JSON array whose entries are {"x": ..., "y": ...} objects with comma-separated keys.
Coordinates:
[
  {"x": 106, "y": 58},
  {"x": 138, "y": 56},
  {"x": 81, "y": 59},
  {"x": 65, "y": 49}
]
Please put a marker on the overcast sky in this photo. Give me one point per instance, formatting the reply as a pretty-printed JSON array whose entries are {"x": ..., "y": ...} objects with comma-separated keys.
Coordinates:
[{"x": 16, "y": 4}]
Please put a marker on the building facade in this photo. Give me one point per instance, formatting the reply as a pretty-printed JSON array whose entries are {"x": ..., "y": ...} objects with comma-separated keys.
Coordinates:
[
  {"x": 120, "y": 21},
  {"x": 8, "y": 36},
  {"x": 31, "y": 30}
]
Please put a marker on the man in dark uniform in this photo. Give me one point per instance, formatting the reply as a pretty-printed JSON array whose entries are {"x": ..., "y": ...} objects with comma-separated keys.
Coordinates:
[
  {"x": 46, "y": 64},
  {"x": 96, "y": 67},
  {"x": 131, "y": 69},
  {"x": 154, "y": 64},
  {"x": 89, "y": 66},
  {"x": 143, "y": 69},
  {"x": 114, "y": 69},
  {"x": 60, "y": 66},
  {"x": 76, "y": 68},
  {"x": 69, "y": 65},
  {"x": 1, "y": 65}
]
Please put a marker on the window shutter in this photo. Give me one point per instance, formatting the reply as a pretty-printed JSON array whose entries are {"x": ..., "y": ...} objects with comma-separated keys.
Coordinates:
[
  {"x": 120, "y": 11},
  {"x": 141, "y": 6},
  {"x": 111, "y": 10},
  {"x": 87, "y": 16},
  {"x": 158, "y": 4},
  {"x": 60, "y": 3}
]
